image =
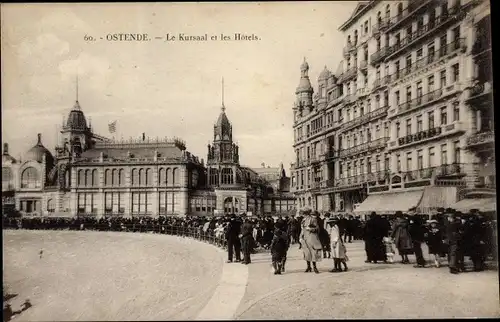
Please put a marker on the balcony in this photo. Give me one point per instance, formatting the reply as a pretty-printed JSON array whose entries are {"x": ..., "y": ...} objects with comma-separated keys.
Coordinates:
[
  {"x": 348, "y": 74},
  {"x": 380, "y": 26},
  {"x": 420, "y": 136},
  {"x": 363, "y": 66},
  {"x": 420, "y": 101},
  {"x": 413, "y": 8},
  {"x": 362, "y": 91},
  {"x": 364, "y": 147},
  {"x": 421, "y": 33},
  {"x": 421, "y": 174},
  {"x": 454, "y": 169},
  {"x": 380, "y": 82},
  {"x": 481, "y": 96},
  {"x": 379, "y": 55},
  {"x": 330, "y": 154},
  {"x": 449, "y": 49},
  {"x": 481, "y": 139},
  {"x": 349, "y": 48},
  {"x": 375, "y": 114},
  {"x": 349, "y": 98}
]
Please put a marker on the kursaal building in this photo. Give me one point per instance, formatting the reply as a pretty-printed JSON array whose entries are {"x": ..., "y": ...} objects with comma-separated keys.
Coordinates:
[
  {"x": 406, "y": 121},
  {"x": 90, "y": 175}
]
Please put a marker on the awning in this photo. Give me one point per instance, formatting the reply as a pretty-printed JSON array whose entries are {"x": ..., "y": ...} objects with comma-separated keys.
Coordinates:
[
  {"x": 390, "y": 202},
  {"x": 482, "y": 204},
  {"x": 437, "y": 197}
]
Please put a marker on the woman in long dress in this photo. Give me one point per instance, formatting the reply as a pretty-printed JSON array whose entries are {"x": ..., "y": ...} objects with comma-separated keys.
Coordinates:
[
  {"x": 402, "y": 238},
  {"x": 309, "y": 239}
]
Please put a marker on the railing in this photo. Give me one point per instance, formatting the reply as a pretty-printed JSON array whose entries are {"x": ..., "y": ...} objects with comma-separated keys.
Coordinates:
[
  {"x": 360, "y": 148},
  {"x": 451, "y": 169},
  {"x": 381, "y": 25},
  {"x": 330, "y": 154},
  {"x": 481, "y": 138},
  {"x": 449, "y": 49},
  {"x": 348, "y": 74},
  {"x": 382, "y": 111},
  {"x": 413, "y": 7},
  {"x": 380, "y": 82},
  {"x": 379, "y": 55},
  {"x": 421, "y": 174},
  {"x": 420, "y": 100},
  {"x": 479, "y": 90},
  {"x": 425, "y": 30},
  {"x": 362, "y": 91},
  {"x": 422, "y": 135},
  {"x": 349, "y": 48}
]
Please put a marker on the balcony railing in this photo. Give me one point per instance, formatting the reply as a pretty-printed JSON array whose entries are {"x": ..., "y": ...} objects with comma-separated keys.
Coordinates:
[
  {"x": 419, "y": 136},
  {"x": 367, "y": 146},
  {"x": 413, "y": 8},
  {"x": 330, "y": 154},
  {"x": 479, "y": 92},
  {"x": 449, "y": 49},
  {"x": 382, "y": 111},
  {"x": 380, "y": 26},
  {"x": 379, "y": 55},
  {"x": 481, "y": 138},
  {"x": 348, "y": 74},
  {"x": 349, "y": 48},
  {"x": 420, "y": 101},
  {"x": 349, "y": 98},
  {"x": 379, "y": 82},
  {"x": 453, "y": 15},
  {"x": 421, "y": 174},
  {"x": 451, "y": 169},
  {"x": 362, "y": 91}
]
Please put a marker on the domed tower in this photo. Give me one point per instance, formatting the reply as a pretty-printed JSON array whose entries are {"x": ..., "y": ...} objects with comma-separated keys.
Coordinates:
[
  {"x": 76, "y": 135},
  {"x": 41, "y": 154},
  {"x": 223, "y": 154},
  {"x": 6, "y": 157},
  {"x": 304, "y": 91}
]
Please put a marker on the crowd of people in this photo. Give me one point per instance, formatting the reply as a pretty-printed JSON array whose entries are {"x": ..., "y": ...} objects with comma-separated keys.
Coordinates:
[{"x": 449, "y": 234}]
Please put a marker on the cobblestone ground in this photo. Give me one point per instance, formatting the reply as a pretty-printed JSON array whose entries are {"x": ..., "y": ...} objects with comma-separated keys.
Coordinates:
[
  {"x": 365, "y": 290},
  {"x": 108, "y": 276}
]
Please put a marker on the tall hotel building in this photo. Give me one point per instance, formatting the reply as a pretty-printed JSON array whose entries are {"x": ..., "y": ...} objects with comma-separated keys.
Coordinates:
[{"x": 406, "y": 121}]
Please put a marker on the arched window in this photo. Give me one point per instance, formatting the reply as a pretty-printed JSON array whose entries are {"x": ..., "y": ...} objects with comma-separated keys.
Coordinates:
[
  {"x": 6, "y": 174},
  {"x": 88, "y": 177},
  {"x": 349, "y": 39},
  {"x": 116, "y": 180},
  {"x": 142, "y": 177},
  {"x": 135, "y": 177},
  {"x": 214, "y": 177},
  {"x": 107, "y": 177},
  {"x": 149, "y": 177},
  {"x": 379, "y": 17},
  {"x": 168, "y": 176},
  {"x": 121, "y": 177},
  {"x": 95, "y": 178},
  {"x": 400, "y": 9},
  {"x": 30, "y": 178},
  {"x": 81, "y": 177},
  {"x": 227, "y": 176},
  {"x": 51, "y": 206},
  {"x": 161, "y": 177},
  {"x": 388, "y": 11},
  {"x": 355, "y": 37},
  {"x": 175, "y": 176}
]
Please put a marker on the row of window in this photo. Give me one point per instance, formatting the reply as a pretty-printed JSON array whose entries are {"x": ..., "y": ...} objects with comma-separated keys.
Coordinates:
[
  {"x": 203, "y": 204},
  {"x": 139, "y": 177},
  {"x": 226, "y": 176},
  {"x": 412, "y": 127}
]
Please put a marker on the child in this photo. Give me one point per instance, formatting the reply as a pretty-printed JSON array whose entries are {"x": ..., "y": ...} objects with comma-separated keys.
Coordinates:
[
  {"x": 389, "y": 249},
  {"x": 279, "y": 247},
  {"x": 434, "y": 239}
]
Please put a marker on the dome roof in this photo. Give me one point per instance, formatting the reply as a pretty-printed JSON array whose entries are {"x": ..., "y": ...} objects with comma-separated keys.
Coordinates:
[
  {"x": 37, "y": 152},
  {"x": 6, "y": 157},
  {"x": 325, "y": 74},
  {"x": 304, "y": 66},
  {"x": 76, "y": 118},
  {"x": 304, "y": 85}
]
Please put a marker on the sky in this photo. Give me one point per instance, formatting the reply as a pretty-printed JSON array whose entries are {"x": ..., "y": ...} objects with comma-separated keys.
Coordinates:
[{"x": 165, "y": 88}]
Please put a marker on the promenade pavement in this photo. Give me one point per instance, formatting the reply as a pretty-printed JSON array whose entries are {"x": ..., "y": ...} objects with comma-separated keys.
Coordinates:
[{"x": 365, "y": 290}]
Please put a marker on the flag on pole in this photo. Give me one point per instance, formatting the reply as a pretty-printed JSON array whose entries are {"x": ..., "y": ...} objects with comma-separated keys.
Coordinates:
[{"x": 112, "y": 127}]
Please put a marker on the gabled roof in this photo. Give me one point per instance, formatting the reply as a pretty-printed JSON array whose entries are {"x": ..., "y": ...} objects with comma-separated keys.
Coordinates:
[{"x": 360, "y": 8}]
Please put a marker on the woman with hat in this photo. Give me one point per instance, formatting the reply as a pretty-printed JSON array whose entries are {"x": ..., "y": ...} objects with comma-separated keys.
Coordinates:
[
  {"x": 402, "y": 238},
  {"x": 309, "y": 239},
  {"x": 337, "y": 246}
]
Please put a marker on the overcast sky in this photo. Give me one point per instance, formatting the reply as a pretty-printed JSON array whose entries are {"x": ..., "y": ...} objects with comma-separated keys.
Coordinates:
[{"x": 165, "y": 88}]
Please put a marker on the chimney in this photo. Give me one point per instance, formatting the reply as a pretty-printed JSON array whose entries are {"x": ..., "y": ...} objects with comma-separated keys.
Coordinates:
[
  {"x": 39, "y": 139},
  {"x": 5, "y": 148}
]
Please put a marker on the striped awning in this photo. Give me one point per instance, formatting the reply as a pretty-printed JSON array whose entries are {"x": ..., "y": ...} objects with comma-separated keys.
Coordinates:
[
  {"x": 390, "y": 202},
  {"x": 482, "y": 204}
]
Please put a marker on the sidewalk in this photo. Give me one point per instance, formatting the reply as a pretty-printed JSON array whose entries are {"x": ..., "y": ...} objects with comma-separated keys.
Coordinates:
[{"x": 365, "y": 291}]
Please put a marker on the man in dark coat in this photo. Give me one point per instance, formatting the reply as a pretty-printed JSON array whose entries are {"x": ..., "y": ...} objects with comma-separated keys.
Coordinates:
[
  {"x": 417, "y": 234},
  {"x": 233, "y": 240},
  {"x": 454, "y": 238},
  {"x": 279, "y": 247},
  {"x": 247, "y": 241}
]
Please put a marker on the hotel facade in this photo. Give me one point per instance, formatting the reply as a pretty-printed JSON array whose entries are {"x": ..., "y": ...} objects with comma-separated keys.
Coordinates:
[
  {"x": 405, "y": 122},
  {"x": 90, "y": 175}
]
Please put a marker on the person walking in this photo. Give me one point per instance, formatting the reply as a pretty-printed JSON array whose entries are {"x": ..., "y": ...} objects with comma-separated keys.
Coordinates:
[
  {"x": 454, "y": 238},
  {"x": 309, "y": 239},
  {"x": 247, "y": 241},
  {"x": 233, "y": 241},
  {"x": 417, "y": 234},
  {"x": 401, "y": 236},
  {"x": 279, "y": 247}
]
